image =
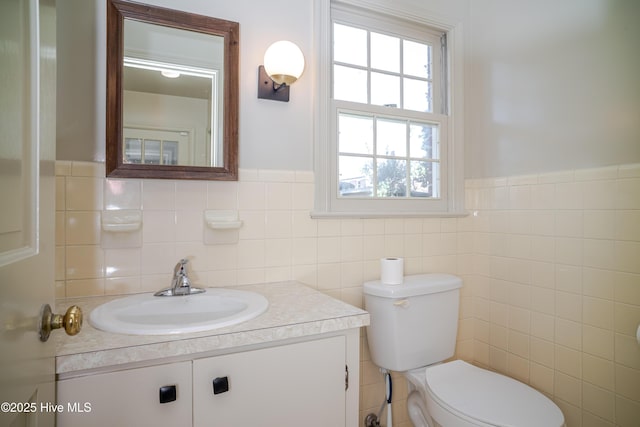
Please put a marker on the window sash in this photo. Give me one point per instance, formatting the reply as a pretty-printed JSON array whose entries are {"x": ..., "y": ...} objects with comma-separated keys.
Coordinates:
[
  {"x": 386, "y": 205},
  {"x": 375, "y": 155},
  {"x": 405, "y": 30}
]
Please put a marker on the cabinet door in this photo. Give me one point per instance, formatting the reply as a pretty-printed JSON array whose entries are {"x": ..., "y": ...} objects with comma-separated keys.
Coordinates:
[
  {"x": 292, "y": 385},
  {"x": 128, "y": 398}
]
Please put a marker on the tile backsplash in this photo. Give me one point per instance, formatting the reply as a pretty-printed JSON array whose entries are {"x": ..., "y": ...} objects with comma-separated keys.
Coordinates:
[{"x": 550, "y": 262}]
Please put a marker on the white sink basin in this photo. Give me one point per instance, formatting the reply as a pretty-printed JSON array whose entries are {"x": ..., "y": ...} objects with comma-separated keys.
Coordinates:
[{"x": 146, "y": 314}]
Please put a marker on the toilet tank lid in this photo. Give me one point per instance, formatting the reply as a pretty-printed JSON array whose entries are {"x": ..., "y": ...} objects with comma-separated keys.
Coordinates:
[{"x": 419, "y": 284}]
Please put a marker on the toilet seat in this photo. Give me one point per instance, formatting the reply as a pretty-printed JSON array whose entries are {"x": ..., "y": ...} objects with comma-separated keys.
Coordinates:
[{"x": 488, "y": 398}]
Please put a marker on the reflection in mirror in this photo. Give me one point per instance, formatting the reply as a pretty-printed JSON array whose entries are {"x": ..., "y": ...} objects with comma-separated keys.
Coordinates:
[
  {"x": 170, "y": 92},
  {"x": 172, "y": 98}
]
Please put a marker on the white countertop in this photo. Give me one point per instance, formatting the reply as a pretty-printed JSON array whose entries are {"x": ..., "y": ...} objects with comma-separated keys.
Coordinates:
[{"x": 295, "y": 311}]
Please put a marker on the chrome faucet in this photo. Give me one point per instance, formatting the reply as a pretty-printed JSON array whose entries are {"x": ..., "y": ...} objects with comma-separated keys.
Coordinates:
[{"x": 180, "y": 284}]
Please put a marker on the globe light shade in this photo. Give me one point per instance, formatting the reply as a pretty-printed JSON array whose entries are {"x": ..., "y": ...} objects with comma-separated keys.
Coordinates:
[
  {"x": 284, "y": 62},
  {"x": 170, "y": 74}
]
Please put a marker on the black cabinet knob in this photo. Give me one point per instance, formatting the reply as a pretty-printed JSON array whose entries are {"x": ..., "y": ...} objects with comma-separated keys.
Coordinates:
[
  {"x": 220, "y": 385},
  {"x": 168, "y": 394}
]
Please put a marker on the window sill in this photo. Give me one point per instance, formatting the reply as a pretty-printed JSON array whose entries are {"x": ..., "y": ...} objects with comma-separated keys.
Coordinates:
[{"x": 340, "y": 215}]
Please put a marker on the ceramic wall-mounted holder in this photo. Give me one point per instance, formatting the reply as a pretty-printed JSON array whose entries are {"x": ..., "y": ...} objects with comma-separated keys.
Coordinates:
[
  {"x": 221, "y": 227},
  {"x": 121, "y": 229},
  {"x": 121, "y": 221}
]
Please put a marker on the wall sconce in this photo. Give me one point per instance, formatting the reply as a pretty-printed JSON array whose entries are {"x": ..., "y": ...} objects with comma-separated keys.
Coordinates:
[{"x": 283, "y": 65}]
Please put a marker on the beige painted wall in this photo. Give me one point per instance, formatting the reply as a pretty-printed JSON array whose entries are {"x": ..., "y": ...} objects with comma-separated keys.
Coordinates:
[
  {"x": 551, "y": 86},
  {"x": 267, "y": 128}
]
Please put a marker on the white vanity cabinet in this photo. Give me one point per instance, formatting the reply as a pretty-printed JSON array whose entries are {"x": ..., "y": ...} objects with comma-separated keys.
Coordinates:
[
  {"x": 292, "y": 385},
  {"x": 130, "y": 397}
]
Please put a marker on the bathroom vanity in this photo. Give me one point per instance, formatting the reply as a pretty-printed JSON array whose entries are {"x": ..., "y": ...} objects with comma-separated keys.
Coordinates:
[{"x": 296, "y": 364}]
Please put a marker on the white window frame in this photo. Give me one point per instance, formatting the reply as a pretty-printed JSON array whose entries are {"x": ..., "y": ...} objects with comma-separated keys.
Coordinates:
[{"x": 327, "y": 201}]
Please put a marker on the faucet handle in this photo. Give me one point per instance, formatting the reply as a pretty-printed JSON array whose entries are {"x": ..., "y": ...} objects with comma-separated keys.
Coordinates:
[{"x": 180, "y": 267}]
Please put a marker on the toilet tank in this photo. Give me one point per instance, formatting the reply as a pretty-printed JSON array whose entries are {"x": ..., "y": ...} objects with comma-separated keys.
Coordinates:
[{"x": 413, "y": 324}]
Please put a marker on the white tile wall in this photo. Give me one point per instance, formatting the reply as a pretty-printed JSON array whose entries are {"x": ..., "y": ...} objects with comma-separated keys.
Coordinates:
[
  {"x": 550, "y": 264},
  {"x": 563, "y": 259}
]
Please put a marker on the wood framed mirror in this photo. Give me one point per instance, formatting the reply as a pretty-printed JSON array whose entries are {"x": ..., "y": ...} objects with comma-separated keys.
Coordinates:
[{"x": 172, "y": 94}]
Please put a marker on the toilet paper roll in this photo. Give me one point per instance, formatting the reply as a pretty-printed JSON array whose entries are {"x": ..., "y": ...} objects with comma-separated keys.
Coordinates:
[{"x": 391, "y": 271}]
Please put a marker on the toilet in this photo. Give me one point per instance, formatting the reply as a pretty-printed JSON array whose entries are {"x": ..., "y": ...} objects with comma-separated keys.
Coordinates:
[{"x": 413, "y": 330}]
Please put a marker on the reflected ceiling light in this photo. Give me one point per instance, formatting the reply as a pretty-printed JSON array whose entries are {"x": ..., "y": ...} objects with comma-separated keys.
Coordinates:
[
  {"x": 283, "y": 65},
  {"x": 171, "y": 74},
  {"x": 165, "y": 67}
]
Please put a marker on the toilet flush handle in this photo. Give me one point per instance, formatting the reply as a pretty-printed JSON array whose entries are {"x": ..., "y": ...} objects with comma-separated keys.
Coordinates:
[{"x": 404, "y": 303}]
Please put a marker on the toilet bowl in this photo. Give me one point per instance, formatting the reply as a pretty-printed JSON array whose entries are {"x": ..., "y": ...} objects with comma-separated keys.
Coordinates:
[{"x": 458, "y": 394}]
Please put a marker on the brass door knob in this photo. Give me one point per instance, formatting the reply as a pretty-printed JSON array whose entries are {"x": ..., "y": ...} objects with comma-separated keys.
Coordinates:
[{"x": 71, "y": 321}]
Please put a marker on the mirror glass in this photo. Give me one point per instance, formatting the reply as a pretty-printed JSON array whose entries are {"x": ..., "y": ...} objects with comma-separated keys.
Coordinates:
[
  {"x": 172, "y": 84},
  {"x": 174, "y": 94}
]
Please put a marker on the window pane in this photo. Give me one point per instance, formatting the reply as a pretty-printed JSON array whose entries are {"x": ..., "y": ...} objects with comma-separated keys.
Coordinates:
[
  {"x": 392, "y": 178},
  {"x": 132, "y": 150},
  {"x": 349, "y": 45},
  {"x": 349, "y": 84},
  {"x": 417, "y": 59},
  {"x": 385, "y": 52},
  {"x": 355, "y": 175},
  {"x": 391, "y": 138},
  {"x": 355, "y": 134},
  {"x": 435, "y": 190},
  {"x": 424, "y": 141},
  {"x": 422, "y": 179},
  {"x": 170, "y": 152},
  {"x": 151, "y": 152},
  {"x": 417, "y": 95},
  {"x": 385, "y": 90}
]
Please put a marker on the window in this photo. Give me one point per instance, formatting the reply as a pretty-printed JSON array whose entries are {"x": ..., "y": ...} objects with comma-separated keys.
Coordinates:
[
  {"x": 150, "y": 151},
  {"x": 384, "y": 144},
  {"x": 156, "y": 146}
]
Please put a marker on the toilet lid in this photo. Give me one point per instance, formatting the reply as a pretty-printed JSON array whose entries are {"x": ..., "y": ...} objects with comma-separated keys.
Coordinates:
[{"x": 490, "y": 397}]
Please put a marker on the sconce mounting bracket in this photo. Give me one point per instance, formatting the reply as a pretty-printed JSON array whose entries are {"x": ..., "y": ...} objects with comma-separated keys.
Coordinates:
[{"x": 268, "y": 89}]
